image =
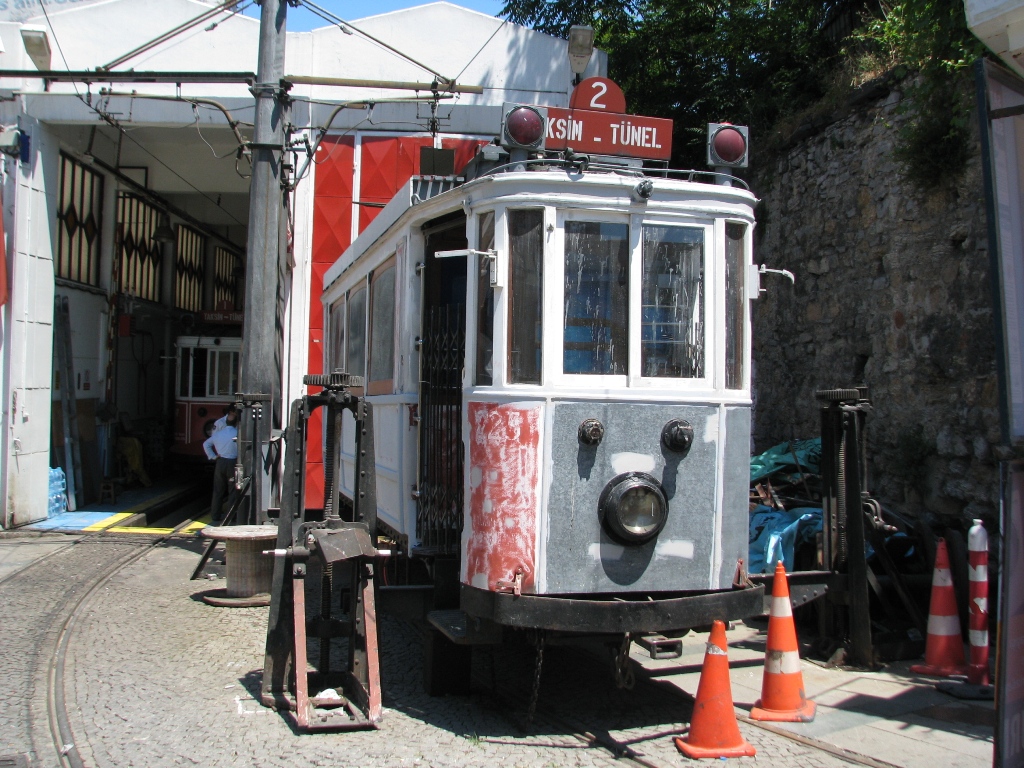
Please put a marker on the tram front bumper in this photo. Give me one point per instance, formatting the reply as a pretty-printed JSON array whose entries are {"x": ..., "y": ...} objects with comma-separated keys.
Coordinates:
[{"x": 608, "y": 615}]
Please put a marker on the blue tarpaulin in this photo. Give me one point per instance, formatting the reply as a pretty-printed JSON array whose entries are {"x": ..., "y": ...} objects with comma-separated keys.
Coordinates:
[
  {"x": 775, "y": 535},
  {"x": 780, "y": 458}
]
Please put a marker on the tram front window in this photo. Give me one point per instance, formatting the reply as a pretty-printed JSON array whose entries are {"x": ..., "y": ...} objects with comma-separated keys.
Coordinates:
[
  {"x": 596, "y": 309},
  {"x": 672, "y": 296},
  {"x": 526, "y": 275}
]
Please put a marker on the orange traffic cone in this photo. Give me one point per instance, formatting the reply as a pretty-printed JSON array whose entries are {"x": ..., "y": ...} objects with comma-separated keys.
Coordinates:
[
  {"x": 782, "y": 687},
  {"x": 714, "y": 731},
  {"x": 944, "y": 647}
]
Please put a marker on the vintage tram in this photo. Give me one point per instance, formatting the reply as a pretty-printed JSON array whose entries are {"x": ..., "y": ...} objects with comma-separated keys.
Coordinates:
[
  {"x": 539, "y": 411},
  {"x": 206, "y": 382},
  {"x": 557, "y": 360}
]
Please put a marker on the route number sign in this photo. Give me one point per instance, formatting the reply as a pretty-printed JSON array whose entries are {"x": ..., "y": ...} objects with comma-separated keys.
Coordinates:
[{"x": 595, "y": 122}]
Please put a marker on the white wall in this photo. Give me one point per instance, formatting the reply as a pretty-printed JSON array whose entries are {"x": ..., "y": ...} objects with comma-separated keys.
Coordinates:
[{"x": 28, "y": 329}]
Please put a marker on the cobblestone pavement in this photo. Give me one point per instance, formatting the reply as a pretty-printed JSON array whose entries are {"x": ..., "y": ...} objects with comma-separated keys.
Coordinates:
[
  {"x": 155, "y": 677},
  {"x": 36, "y": 600}
]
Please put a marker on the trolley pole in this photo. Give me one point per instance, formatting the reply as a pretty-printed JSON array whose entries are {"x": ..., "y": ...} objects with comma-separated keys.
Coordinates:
[{"x": 264, "y": 272}]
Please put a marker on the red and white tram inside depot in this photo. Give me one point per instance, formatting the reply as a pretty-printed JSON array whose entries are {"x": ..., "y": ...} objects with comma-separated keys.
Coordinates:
[{"x": 206, "y": 383}]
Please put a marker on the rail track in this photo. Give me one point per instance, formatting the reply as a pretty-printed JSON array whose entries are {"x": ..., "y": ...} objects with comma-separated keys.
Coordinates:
[{"x": 576, "y": 703}]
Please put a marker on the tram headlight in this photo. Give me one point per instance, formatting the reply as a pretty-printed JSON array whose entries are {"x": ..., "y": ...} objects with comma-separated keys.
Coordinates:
[{"x": 633, "y": 507}]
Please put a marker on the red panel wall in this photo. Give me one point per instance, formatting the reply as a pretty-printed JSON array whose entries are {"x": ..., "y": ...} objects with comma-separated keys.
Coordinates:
[
  {"x": 386, "y": 163},
  {"x": 332, "y": 234}
]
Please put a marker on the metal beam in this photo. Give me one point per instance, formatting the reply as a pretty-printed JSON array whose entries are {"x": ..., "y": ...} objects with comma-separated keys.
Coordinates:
[
  {"x": 383, "y": 84},
  {"x": 94, "y": 76}
]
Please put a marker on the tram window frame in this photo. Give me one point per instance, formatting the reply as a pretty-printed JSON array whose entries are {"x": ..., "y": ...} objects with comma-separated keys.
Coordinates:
[
  {"x": 214, "y": 371},
  {"x": 708, "y": 299},
  {"x": 565, "y": 218},
  {"x": 486, "y": 297},
  {"x": 335, "y": 352},
  {"x": 737, "y": 335},
  {"x": 525, "y": 281},
  {"x": 185, "y": 372},
  {"x": 358, "y": 291},
  {"x": 374, "y": 355}
]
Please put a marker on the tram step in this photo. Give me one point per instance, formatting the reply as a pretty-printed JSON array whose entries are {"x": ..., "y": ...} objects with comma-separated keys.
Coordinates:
[
  {"x": 661, "y": 647},
  {"x": 463, "y": 629}
]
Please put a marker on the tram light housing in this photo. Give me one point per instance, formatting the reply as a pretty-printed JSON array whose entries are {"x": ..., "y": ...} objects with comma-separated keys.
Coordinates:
[
  {"x": 728, "y": 145},
  {"x": 523, "y": 126},
  {"x": 633, "y": 507},
  {"x": 581, "y": 48}
]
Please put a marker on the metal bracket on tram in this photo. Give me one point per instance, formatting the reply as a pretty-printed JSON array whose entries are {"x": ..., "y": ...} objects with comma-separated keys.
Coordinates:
[
  {"x": 754, "y": 272},
  {"x": 493, "y": 266},
  {"x": 338, "y": 546}
]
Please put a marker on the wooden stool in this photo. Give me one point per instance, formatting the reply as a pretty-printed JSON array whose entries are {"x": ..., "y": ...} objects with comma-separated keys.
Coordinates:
[
  {"x": 250, "y": 573},
  {"x": 108, "y": 488}
]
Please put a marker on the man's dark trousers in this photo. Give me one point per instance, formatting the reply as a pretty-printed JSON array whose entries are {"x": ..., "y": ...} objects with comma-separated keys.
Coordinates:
[{"x": 223, "y": 485}]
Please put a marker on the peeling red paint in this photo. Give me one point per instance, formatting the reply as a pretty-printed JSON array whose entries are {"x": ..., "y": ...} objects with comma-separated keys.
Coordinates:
[{"x": 504, "y": 442}]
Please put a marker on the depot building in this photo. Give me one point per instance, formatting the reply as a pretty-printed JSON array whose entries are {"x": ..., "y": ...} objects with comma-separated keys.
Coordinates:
[{"x": 125, "y": 205}]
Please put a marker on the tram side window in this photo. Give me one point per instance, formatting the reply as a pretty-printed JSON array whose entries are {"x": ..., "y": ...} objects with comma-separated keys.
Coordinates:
[
  {"x": 526, "y": 260},
  {"x": 356, "y": 359},
  {"x": 672, "y": 296},
  {"x": 595, "y": 339},
  {"x": 735, "y": 304},
  {"x": 382, "y": 332},
  {"x": 223, "y": 374},
  {"x": 485, "y": 304},
  {"x": 199, "y": 359},
  {"x": 184, "y": 372},
  {"x": 336, "y": 348}
]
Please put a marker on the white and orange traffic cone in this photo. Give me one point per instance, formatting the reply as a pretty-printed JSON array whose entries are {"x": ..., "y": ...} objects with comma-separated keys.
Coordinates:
[
  {"x": 782, "y": 687},
  {"x": 977, "y": 621},
  {"x": 714, "y": 731},
  {"x": 944, "y": 647}
]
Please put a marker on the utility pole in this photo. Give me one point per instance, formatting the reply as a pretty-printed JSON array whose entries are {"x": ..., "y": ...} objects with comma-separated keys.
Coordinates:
[{"x": 264, "y": 272}]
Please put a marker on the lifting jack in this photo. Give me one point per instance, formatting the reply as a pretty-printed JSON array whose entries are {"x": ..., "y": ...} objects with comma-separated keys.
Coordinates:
[{"x": 340, "y": 547}]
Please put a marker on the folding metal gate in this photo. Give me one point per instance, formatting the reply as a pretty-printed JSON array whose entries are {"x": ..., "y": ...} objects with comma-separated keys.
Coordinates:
[{"x": 442, "y": 352}]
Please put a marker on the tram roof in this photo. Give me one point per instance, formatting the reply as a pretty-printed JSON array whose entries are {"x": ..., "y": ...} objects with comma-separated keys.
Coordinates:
[{"x": 426, "y": 197}]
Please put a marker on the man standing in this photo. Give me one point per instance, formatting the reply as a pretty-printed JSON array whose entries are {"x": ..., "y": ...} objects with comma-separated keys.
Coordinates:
[
  {"x": 230, "y": 417},
  {"x": 222, "y": 447}
]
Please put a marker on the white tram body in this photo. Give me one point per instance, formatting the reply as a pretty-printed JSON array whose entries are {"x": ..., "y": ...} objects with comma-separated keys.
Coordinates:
[{"x": 558, "y": 363}]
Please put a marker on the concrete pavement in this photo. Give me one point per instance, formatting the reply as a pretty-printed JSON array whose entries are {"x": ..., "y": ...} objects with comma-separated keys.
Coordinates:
[{"x": 155, "y": 677}]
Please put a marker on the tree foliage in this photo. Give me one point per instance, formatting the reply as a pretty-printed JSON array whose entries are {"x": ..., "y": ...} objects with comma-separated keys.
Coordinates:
[
  {"x": 699, "y": 61},
  {"x": 754, "y": 61}
]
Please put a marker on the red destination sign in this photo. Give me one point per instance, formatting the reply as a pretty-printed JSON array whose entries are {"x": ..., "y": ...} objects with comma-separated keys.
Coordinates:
[
  {"x": 608, "y": 133},
  {"x": 595, "y": 123}
]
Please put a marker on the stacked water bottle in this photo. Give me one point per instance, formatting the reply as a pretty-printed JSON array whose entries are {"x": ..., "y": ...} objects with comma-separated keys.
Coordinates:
[{"x": 58, "y": 487}]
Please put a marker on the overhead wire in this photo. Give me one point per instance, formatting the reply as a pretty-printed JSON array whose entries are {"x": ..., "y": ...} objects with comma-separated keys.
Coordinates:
[
  {"x": 115, "y": 123},
  {"x": 334, "y": 19}
]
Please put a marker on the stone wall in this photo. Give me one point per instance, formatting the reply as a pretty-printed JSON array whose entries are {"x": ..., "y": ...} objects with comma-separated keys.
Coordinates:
[{"x": 893, "y": 291}]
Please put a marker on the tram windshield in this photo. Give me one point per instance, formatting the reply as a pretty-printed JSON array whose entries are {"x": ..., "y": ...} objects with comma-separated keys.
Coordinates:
[
  {"x": 672, "y": 331},
  {"x": 206, "y": 372},
  {"x": 596, "y": 338}
]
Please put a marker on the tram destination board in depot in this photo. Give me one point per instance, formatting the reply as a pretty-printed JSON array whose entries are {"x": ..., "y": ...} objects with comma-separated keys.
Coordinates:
[{"x": 596, "y": 123}]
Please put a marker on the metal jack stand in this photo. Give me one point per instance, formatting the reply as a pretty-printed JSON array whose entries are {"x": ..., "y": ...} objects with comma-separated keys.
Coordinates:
[
  {"x": 251, "y": 513},
  {"x": 244, "y": 501},
  {"x": 344, "y": 547},
  {"x": 853, "y": 517}
]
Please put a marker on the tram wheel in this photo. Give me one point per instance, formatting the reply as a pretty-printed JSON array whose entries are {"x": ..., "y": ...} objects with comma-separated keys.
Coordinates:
[{"x": 447, "y": 666}]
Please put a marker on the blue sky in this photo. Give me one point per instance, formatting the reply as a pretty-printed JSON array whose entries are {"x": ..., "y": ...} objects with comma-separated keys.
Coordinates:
[{"x": 302, "y": 20}]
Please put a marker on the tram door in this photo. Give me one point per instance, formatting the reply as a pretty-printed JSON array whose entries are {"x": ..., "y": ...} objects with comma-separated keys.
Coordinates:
[{"x": 442, "y": 352}]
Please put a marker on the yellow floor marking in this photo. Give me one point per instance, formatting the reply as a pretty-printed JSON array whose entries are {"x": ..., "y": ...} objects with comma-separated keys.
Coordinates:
[
  {"x": 106, "y": 522},
  {"x": 196, "y": 525},
  {"x": 116, "y": 517},
  {"x": 133, "y": 529}
]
